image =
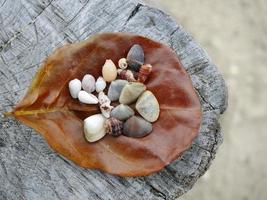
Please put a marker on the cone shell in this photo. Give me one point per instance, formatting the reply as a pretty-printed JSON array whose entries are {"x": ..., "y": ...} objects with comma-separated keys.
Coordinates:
[
  {"x": 126, "y": 75},
  {"x": 114, "y": 126},
  {"x": 75, "y": 87},
  {"x": 87, "y": 98},
  {"x": 109, "y": 71},
  {"x": 100, "y": 84},
  {"x": 144, "y": 72}
]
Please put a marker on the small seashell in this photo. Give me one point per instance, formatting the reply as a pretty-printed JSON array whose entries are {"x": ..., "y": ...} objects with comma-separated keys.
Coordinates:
[
  {"x": 88, "y": 98},
  {"x": 106, "y": 109},
  {"x": 126, "y": 75},
  {"x": 94, "y": 127},
  {"x": 109, "y": 71},
  {"x": 123, "y": 63},
  {"x": 114, "y": 126},
  {"x": 144, "y": 72},
  {"x": 131, "y": 91},
  {"x": 135, "y": 57},
  {"x": 75, "y": 87},
  {"x": 122, "y": 112},
  {"x": 147, "y": 106},
  {"x": 105, "y": 106},
  {"x": 102, "y": 98},
  {"x": 88, "y": 83},
  {"x": 136, "y": 127},
  {"x": 115, "y": 88},
  {"x": 100, "y": 84}
]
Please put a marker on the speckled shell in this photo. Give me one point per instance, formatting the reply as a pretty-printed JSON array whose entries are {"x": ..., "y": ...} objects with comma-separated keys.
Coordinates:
[
  {"x": 114, "y": 126},
  {"x": 144, "y": 72},
  {"x": 126, "y": 75}
]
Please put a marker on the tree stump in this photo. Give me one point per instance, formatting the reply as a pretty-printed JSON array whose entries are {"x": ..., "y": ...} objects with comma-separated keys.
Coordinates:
[{"x": 29, "y": 31}]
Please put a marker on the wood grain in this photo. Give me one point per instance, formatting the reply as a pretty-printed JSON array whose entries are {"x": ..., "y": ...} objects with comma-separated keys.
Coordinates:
[{"x": 29, "y": 31}]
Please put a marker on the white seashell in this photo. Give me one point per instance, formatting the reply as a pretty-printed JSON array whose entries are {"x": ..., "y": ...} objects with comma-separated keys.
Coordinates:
[
  {"x": 88, "y": 83},
  {"x": 148, "y": 107},
  {"x": 75, "y": 87},
  {"x": 87, "y": 98},
  {"x": 109, "y": 71},
  {"x": 123, "y": 63},
  {"x": 100, "y": 84},
  {"x": 94, "y": 127}
]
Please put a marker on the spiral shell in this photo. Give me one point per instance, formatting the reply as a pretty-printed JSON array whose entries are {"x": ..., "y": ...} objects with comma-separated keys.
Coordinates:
[
  {"x": 144, "y": 72},
  {"x": 123, "y": 63},
  {"x": 126, "y": 75},
  {"x": 114, "y": 126}
]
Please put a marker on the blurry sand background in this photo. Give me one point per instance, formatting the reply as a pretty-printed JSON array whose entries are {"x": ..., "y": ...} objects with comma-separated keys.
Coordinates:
[{"x": 234, "y": 33}]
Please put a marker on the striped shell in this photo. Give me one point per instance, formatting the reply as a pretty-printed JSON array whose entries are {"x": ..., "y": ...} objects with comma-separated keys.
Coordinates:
[
  {"x": 126, "y": 75},
  {"x": 144, "y": 72},
  {"x": 114, "y": 126}
]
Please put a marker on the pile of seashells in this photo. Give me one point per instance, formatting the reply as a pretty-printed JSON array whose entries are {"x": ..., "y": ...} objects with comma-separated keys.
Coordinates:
[{"x": 128, "y": 89}]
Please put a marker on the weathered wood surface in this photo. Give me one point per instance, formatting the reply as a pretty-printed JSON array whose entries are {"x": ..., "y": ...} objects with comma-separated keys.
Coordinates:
[{"x": 29, "y": 31}]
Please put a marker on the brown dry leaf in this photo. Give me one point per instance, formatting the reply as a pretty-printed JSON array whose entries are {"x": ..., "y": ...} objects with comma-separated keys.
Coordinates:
[{"x": 49, "y": 108}]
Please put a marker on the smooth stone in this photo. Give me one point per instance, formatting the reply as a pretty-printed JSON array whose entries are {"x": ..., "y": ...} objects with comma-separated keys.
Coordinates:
[
  {"x": 87, "y": 98},
  {"x": 94, "y": 127},
  {"x": 115, "y": 88},
  {"x": 136, "y": 127},
  {"x": 147, "y": 106},
  {"x": 123, "y": 63},
  {"x": 135, "y": 57},
  {"x": 122, "y": 112},
  {"x": 75, "y": 87},
  {"x": 88, "y": 83},
  {"x": 131, "y": 91},
  {"x": 109, "y": 71},
  {"x": 100, "y": 84}
]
